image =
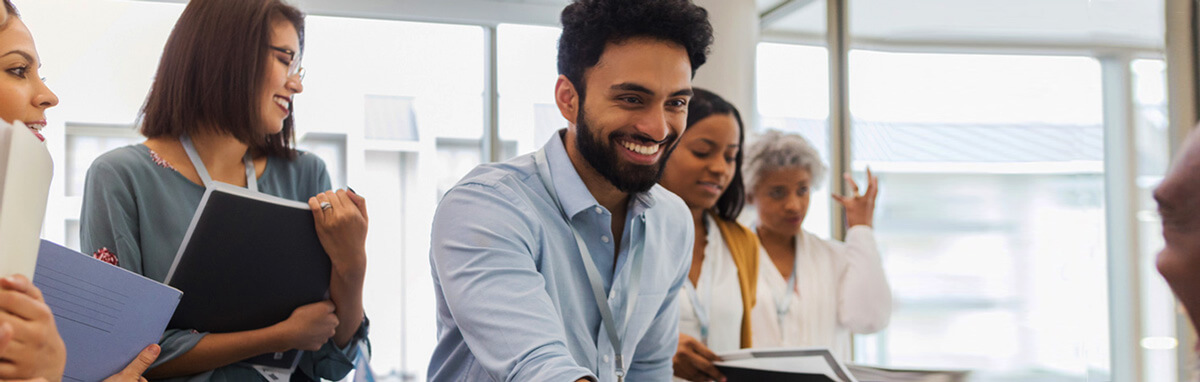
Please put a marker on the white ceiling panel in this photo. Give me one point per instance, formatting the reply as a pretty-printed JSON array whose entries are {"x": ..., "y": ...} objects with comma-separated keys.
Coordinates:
[{"x": 1137, "y": 23}]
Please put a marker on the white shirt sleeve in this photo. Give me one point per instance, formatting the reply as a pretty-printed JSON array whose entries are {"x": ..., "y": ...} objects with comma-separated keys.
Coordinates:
[{"x": 865, "y": 301}]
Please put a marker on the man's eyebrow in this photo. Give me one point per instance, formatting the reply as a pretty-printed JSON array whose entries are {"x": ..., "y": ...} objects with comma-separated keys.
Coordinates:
[
  {"x": 632, "y": 87},
  {"x": 683, "y": 92}
]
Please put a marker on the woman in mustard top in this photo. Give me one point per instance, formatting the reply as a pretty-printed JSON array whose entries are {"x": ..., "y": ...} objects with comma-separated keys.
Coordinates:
[{"x": 705, "y": 171}]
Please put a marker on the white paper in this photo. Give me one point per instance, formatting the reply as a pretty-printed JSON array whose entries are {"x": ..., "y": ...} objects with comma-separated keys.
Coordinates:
[{"x": 25, "y": 172}]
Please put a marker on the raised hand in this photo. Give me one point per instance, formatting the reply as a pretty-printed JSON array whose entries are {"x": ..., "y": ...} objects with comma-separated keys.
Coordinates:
[{"x": 860, "y": 209}]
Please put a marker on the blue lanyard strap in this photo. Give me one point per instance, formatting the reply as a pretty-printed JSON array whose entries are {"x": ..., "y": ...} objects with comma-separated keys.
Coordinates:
[
  {"x": 251, "y": 179},
  {"x": 593, "y": 273},
  {"x": 705, "y": 282},
  {"x": 783, "y": 304},
  {"x": 699, "y": 308}
]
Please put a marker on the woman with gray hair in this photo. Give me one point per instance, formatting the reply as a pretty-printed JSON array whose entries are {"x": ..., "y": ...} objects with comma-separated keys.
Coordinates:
[{"x": 811, "y": 292}]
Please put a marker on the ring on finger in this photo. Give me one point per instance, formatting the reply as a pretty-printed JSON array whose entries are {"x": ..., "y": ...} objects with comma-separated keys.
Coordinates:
[{"x": 326, "y": 206}]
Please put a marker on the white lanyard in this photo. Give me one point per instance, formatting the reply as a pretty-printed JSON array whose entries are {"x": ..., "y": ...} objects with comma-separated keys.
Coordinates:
[
  {"x": 251, "y": 179},
  {"x": 703, "y": 284},
  {"x": 593, "y": 274},
  {"x": 783, "y": 304}
]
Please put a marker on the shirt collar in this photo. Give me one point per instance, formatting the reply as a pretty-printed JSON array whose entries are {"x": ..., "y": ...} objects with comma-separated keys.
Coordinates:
[{"x": 572, "y": 193}]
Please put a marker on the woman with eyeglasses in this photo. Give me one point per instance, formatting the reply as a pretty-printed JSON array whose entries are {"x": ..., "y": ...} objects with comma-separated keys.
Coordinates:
[{"x": 224, "y": 90}]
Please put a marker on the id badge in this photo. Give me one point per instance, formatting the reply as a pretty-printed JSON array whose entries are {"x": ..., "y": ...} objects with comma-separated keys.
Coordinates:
[{"x": 274, "y": 374}]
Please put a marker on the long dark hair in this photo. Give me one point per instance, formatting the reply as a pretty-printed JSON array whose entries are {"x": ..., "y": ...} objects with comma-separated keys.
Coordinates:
[
  {"x": 211, "y": 73},
  {"x": 705, "y": 103}
]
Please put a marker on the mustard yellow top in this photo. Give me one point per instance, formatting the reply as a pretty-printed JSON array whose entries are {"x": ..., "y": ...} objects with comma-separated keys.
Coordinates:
[{"x": 743, "y": 246}]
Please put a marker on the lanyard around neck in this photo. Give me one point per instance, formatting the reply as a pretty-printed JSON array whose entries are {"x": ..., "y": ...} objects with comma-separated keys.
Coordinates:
[
  {"x": 704, "y": 285},
  {"x": 616, "y": 335},
  {"x": 783, "y": 303},
  {"x": 251, "y": 179}
]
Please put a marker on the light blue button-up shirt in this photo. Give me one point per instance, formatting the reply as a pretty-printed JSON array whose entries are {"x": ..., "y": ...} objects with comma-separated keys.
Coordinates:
[{"x": 514, "y": 301}]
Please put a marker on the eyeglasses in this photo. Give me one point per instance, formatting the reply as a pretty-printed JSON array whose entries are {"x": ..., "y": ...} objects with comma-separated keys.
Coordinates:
[{"x": 294, "y": 69}]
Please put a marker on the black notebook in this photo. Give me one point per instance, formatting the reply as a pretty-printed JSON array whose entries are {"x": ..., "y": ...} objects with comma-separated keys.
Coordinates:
[
  {"x": 247, "y": 261},
  {"x": 783, "y": 365},
  {"x": 745, "y": 374}
]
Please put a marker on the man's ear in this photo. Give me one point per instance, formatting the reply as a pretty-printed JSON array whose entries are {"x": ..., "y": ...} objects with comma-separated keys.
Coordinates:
[{"x": 567, "y": 99}]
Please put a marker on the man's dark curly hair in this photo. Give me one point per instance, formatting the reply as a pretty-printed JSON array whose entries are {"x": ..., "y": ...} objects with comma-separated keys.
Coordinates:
[{"x": 589, "y": 25}]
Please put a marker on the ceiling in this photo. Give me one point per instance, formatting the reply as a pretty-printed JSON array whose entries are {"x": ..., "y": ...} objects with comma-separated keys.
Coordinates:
[
  {"x": 1136, "y": 24},
  {"x": 1122, "y": 23}
]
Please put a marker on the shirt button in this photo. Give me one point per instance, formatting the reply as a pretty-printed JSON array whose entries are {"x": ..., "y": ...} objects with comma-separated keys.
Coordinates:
[
  {"x": 604, "y": 359},
  {"x": 599, "y": 210},
  {"x": 604, "y": 238}
]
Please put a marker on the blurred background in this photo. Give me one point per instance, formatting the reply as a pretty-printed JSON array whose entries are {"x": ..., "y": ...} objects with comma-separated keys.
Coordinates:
[{"x": 1017, "y": 143}]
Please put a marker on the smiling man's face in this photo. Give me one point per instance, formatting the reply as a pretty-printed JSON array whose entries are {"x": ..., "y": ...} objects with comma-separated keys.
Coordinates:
[{"x": 634, "y": 110}]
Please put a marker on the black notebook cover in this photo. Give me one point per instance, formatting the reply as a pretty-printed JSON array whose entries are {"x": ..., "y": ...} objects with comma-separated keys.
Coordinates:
[
  {"x": 742, "y": 374},
  {"x": 247, "y": 261}
]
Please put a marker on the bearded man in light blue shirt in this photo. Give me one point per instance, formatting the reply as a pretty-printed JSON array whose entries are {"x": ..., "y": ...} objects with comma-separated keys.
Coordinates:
[{"x": 564, "y": 265}]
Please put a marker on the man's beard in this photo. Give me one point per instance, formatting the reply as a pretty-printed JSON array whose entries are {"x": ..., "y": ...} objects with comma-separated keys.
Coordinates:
[{"x": 604, "y": 158}]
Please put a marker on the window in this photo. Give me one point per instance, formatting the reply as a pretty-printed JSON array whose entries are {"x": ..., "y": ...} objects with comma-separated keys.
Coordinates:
[
  {"x": 527, "y": 74},
  {"x": 793, "y": 97},
  {"x": 1159, "y": 338},
  {"x": 990, "y": 217},
  {"x": 408, "y": 101}
]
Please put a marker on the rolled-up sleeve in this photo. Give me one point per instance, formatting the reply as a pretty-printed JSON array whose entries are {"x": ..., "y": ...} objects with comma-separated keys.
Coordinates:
[
  {"x": 865, "y": 304},
  {"x": 483, "y": 241}
]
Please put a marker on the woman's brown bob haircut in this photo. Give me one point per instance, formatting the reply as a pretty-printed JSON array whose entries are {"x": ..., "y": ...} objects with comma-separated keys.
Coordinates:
[{"x": 211, "y": 74}]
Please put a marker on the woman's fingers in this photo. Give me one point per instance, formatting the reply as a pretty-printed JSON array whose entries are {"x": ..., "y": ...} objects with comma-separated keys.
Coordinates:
[
  {"x": 850, "y": 181},
  {"x": 318, "y": 215},
  {"x": 360, "y": 202},
  {"x": 703, "y": 351},
  {"x": 703, "y": 366},
  {"x": 134, "y": 371},
  {"x": 333, "y": 200},
  {"x": 6, "y": 335},
  {"x": 840, "y": 199},
  {"x": 23, "y": 306}
]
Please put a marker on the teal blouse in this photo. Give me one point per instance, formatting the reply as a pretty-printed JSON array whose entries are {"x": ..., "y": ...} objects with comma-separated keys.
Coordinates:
[{"x": 137, "y": 208}]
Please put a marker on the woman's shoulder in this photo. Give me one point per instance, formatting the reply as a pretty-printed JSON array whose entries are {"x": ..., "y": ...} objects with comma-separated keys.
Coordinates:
[
  {"x": 733, "y": 228},
  {"x": 304, "y": 162},
  {"x": 305, "y": 174},
  {"x": 128, "y": 158},
  {"x": 742, "y": 242}
]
